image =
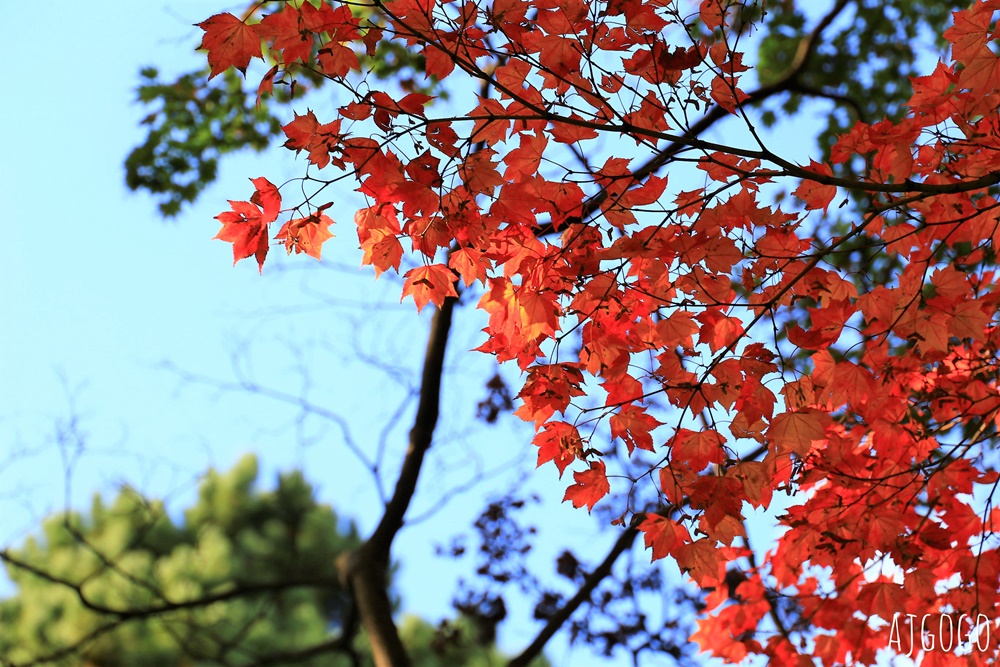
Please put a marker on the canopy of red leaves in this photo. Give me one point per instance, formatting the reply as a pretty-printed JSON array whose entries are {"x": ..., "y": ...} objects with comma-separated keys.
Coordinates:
[{"x": 735, "y": 355}]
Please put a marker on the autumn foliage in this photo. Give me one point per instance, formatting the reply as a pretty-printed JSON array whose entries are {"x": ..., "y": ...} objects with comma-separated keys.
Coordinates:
[{"x": 646, "y": 283}]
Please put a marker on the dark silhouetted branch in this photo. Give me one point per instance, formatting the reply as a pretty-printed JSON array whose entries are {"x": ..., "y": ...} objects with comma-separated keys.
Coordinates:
[
  {"x": 366, "y": 569},
  {"x": 582, "y": 596}
]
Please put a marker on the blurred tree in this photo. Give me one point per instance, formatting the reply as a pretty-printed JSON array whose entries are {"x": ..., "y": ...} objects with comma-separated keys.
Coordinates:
[
  {"x": 244, "y": 579},
  {"x": 190, "y": 127},
  {"x": 864, "y": 64}
]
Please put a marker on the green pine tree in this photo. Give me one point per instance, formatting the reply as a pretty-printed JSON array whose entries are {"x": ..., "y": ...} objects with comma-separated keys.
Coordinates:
[{"x": 247, "y": 578}]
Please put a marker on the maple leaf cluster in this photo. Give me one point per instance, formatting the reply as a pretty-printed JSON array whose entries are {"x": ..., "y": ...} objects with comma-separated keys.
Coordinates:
[
  {"x": 246, "y": 226},
  {"x": 735, "y": 358}
]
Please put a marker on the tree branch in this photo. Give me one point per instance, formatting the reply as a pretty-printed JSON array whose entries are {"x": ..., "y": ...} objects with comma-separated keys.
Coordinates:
[
  {"x": 366, "y": 570},
  {"x": 787, "y": 83},
  {"x": 241, "y": 590},
  {"x": 420, "y": 435},
  {"x": 582, "y": 596}
]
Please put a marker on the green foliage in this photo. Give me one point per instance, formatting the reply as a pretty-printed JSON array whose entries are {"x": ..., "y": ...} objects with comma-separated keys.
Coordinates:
[
  {"x": 268, "y": 557},
  {"x": 778, "y": 47},
  {"x": 192, "y": 124},
  {"x": 450, "y": 644},
  {"x": 248, "y": 577}
]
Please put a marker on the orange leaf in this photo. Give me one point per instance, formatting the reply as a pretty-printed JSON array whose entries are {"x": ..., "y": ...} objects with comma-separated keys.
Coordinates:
[
  {"x": 470, "y": 264},
  {"x": 701, "y": 560},
  {"x": 432, "y": 284},
  {"x": 676, "y": 330},
  {"x": 713, "y": 13},
  {"x": 698, "y": 449},
  {"x": 306, "y": 234},
  {"x": 715, "y": 635},
  {"x": 382, "y": 250},
  {"x": 633, "y": 425},
  {"x": 756, "y": 483},
  {"x": 539, "y": 312},
  {"x": 969, "y": 320},
  {"x": 548, "y": 389}
]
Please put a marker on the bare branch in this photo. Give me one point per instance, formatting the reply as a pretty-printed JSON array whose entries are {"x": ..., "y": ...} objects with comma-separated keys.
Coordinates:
[
  {"x": 420, "y": 435},
  {"x": 582, "y": 596},
  {"x": 366, "y": 570}
]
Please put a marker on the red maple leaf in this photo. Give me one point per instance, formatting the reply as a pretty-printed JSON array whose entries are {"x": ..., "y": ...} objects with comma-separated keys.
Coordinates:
[
  {"x": 596, "y": 279},
  {"x": 246, "y": 225},
  {"x": 970, "y": 31},
  {"x": 559, "y": 55},
  {"x": 589, "y": 487},
  {"x": 320, "y": 140},
  {"x": 523, "y": 162},
  {"x": 337, "y": 60},
  {"x": 727, "y": 94},
  {"x": 663, "y": 535},
  {"x": 816, "y": 195},
  {"x": 284, "y": 30},
  {"x": 267, "y": 84},
  {"x": 560, "y": 443},
  {"x": 230, "y": 43},
  {"x": 931, "y": 92}
]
